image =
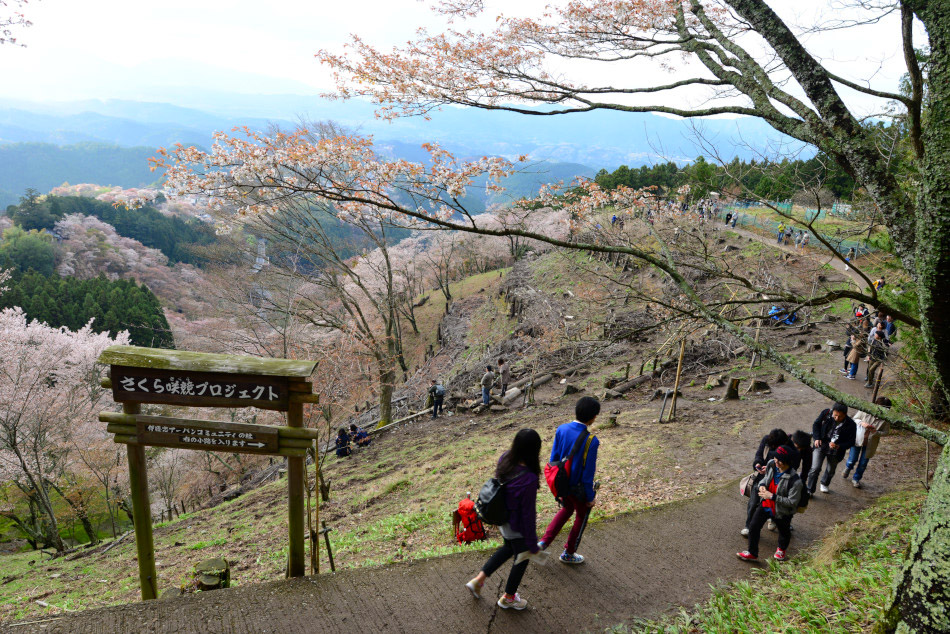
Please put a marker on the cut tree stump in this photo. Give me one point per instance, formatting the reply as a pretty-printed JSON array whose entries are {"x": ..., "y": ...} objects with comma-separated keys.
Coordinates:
[
  {"x": 732, "y": 392},
  {"x": 780, "y": 378},
  {"x": 570, "y": 388},
  {"x": 758, "y": 385},
  {"x": 660, "y": 392},
  {"x": 714, "y": 383},
  {"x": 213, "y": 574}
]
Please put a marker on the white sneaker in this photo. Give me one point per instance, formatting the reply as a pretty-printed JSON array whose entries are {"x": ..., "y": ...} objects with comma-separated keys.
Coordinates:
[
  {"x": 568, "y": 558},
  {"x": 824, "y": 489},
  {"x": 744, "y": 532},
  {"x": 770, "y": 525},
  {"x": 517, "y": 603},
  {"x": 475, "y": 588},
  {"x": 856, "y": 484}
]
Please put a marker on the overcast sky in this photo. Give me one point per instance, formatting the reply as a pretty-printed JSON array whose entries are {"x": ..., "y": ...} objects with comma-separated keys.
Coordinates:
[{"x": 134, "y": 49}]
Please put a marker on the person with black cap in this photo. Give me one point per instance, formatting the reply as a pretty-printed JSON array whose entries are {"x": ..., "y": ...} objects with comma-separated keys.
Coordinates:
[
  {"x": 832, "y": 436},
  {"x": 780, "y": 492}
]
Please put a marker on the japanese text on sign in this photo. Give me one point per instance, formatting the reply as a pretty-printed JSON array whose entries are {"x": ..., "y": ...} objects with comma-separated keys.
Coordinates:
[{"x": 187, "y": 387}]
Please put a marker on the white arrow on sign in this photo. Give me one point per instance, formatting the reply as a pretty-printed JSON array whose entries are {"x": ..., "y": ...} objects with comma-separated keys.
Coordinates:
[{"x": 255, "y": 444}]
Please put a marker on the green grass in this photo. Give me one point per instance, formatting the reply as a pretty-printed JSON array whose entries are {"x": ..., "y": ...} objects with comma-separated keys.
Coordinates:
[
  {"x": 841, "y": 585},
  {"x": 221, "y": 541}
]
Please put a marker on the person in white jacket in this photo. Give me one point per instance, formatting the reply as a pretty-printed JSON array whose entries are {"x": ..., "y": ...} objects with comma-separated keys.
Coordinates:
[{"x": 862, "y": 452}]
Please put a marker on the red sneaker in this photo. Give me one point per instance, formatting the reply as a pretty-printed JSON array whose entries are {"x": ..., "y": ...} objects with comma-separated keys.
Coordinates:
[
  {"x": 780, "y": 554},
  {"x": 745, "y": 555}
]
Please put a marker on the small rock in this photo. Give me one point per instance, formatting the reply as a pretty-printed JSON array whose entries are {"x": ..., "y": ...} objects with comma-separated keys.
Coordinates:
[
  {"x": 570, "y": 388},
  {"x": 498, "y": 408}
]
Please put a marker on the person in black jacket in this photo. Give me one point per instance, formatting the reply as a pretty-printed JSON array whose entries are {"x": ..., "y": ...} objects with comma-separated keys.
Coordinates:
[
  {"x": 767, "y": 446},
  {"x": 766, "y": 451},
  {"x": 832, "y": 435},
  {"x": 801, "y": 440}
]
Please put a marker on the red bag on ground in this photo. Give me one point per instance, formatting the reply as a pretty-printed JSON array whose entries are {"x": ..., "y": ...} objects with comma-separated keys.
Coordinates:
[{"x": 468, "y": 528}]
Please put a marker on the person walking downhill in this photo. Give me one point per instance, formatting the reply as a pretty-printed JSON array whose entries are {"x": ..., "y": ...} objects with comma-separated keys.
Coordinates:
[
  {"x": 504, "y": 376},
  {"x": 780, "y": 490},
  {"x": 865, "y": 448},
  {"x": 583, "y": 467},
  {"x": 437, "y": 391},
  {"x": 519, "y": 469},
  {"x": 488, "y": 380},
  {"x": 832, "y": 435}
]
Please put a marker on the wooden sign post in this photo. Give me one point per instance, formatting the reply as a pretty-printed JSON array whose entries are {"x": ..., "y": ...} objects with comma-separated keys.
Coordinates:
[{"x": 194, "y": 379}]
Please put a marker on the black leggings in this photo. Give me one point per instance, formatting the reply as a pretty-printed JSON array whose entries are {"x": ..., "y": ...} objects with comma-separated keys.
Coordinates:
[{"x": 509, "y": 549}]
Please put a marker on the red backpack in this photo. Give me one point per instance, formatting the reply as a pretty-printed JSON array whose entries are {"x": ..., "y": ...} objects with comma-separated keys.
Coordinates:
[
  {"x": 558, "y": 473},
  {"x": 468, "y": 528}
]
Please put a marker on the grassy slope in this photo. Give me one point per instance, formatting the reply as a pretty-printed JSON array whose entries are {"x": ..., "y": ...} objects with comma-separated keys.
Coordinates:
[
  {"x": 393, "y": 501},
  {"x": 840, "y": 585}
]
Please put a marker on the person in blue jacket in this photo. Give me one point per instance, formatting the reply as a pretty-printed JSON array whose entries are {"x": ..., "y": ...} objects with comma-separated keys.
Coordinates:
[{"x": 583, "y": 467}]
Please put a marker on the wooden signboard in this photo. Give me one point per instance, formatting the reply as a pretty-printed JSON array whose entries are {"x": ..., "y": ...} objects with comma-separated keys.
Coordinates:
[
  {"x": 175, "y": 377},
  {"x": 198, "y": 389}
]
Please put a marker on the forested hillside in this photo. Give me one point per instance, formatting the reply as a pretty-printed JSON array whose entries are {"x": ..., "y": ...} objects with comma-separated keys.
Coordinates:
[
  {"x": 169, "y": 234},
  {"x": 113, "y": 306},
  {"x": 749, "y": 179},
  {"x": 43, "y": 166}
]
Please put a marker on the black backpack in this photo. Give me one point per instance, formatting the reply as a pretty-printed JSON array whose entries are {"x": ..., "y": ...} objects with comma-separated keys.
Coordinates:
[{"x": 490, "y": 504}]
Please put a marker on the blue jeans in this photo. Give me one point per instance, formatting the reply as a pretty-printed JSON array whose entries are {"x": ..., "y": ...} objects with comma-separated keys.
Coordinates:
[
  {"x": 486, "y": 396},
  {"x": 854, "y": 370},
  {"x": 859, "y": 456}
]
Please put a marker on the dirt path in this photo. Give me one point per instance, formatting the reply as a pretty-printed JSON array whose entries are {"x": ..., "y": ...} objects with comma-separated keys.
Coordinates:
[
  {"x": 813, "y": 251},
  {"x": 639, "y": 565}
]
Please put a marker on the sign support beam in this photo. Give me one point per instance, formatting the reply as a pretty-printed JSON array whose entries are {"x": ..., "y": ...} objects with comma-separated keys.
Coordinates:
[
  {"x": 296, "y": 562},
  {"x": 141, "y": 513}
]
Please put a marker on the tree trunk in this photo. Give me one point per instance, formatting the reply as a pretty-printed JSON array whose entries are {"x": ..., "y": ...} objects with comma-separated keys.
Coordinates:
[
  {"x": 933, "y": 200},
  {"x": 387, "y": 382},
  {"x": 923, "y": 592}
]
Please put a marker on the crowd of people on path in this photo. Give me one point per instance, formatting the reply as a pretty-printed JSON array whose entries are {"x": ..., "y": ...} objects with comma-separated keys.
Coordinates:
[
  {"x": 574, "y": 457},
  {"x": 789, "y": 468},
  {"x": 867, "y": 338}
]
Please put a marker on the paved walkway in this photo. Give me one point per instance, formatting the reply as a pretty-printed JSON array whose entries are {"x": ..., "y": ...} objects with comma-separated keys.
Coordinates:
[{"x": 639, "y": 565}]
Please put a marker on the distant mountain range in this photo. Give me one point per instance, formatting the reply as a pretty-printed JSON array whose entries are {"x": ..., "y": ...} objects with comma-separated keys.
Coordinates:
[{"x": 576, "y": 144}]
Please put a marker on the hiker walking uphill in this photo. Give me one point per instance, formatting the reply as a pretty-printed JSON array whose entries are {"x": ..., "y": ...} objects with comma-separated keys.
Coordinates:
[
  {"x": 780, "y": 492},
  {"x": 488, "y": 380},
  {"x": 575, "y": 448},
  {"x": 519, "y": 469},
  {"x": 877, "y": 355},
  {"x": 870, "y": 430},
  {"x": 832, "y": 436}
]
